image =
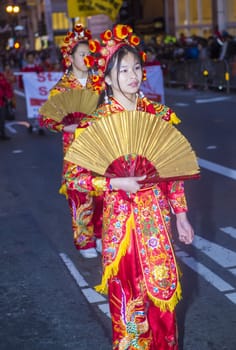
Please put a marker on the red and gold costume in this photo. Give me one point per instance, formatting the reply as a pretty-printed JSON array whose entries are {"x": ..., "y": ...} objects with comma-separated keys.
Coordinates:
[
  {"x": 85, "y": 220},
  {"x": 140, "y": 272},
  {"x": 81, "y": 204},
  {"x": 6, "y": 93}
]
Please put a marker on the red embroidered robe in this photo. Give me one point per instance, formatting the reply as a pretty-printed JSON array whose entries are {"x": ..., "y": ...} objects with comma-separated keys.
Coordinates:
[
  {"x": 139, "y": 266},
  {"x": 84, "y": 218}
]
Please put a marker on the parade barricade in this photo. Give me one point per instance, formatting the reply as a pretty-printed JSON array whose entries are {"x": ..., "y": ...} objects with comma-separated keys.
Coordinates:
[{"x": 203, "y": 74}]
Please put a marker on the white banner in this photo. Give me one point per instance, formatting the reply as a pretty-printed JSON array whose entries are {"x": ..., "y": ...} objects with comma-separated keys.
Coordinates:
[
  {"x": 37, "y": 87},
  {"x": 153, "y": 86}
]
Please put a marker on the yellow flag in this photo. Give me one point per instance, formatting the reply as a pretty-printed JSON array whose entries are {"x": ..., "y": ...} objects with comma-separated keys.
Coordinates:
[{"x": 85, "y": 8}]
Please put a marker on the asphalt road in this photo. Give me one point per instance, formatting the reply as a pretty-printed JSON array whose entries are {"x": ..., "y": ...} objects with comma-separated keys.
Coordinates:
[{"x": 47, "y": 300}]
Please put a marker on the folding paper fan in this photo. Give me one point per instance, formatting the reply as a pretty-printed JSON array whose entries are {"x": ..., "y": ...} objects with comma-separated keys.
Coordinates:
[
  {"x": 133, "y": 144},
  {"x": 70, "y": 104}
]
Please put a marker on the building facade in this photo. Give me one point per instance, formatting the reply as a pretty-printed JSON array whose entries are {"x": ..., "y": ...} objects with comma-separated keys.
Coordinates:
[
  {"x": 200, "y": 17},
  {"x": 191, "y": 17},
  {"x": 48, "y": 21}
]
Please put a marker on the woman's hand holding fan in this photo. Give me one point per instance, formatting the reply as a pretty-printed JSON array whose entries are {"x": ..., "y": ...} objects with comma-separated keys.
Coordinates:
[
  {"x": 127, "y": 184},
  {"x": 70, "y": 128}
]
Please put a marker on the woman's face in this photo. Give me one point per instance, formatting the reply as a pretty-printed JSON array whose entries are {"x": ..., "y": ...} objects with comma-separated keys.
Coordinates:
[
  {"x": 77, "y": 59},
  {"x": 129, "y": 77}
]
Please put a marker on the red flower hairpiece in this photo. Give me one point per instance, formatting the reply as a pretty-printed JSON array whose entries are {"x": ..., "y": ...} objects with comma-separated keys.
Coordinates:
[
  {"x": 71, "y": 40},
  {"x": 103, "y": 50}
]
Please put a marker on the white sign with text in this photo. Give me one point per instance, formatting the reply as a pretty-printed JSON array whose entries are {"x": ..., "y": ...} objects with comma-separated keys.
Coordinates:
[
  {"x": 37, "y": 87},
  {"x": 153, "y": 86}
]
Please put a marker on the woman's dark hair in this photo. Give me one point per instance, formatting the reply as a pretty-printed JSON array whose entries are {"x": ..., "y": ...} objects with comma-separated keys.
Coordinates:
[
  {"x": 76, "y": 45},
  {"x": 75, "y": 48},
  {"x": 29, "y": 53},
  {"x": 116, "y": 58}
]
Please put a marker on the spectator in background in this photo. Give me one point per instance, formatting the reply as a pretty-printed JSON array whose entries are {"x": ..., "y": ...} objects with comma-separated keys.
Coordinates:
[
  {"x": 6, "y": 94},
  {"x": 153, "y": 86},
  {"x": 47, "y": 64},
  {"x": 9, "y": 74},
  {"x": 192, "y": 50},
  {"x": 182, "y": 39},
  {"x": 214, "y": 48},
  {"x": 217, "y": 34},
  {"x": 11, "y": 78},
  {"x": 30, "y": 66},
  {"x": 57, "y": 67},
  {"x": 151, "y": 59}
]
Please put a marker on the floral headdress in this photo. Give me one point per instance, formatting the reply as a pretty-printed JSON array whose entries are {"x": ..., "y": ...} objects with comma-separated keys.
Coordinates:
[
  {"x": 103, "y": 50},
  {"x": 71, "y": 40}
]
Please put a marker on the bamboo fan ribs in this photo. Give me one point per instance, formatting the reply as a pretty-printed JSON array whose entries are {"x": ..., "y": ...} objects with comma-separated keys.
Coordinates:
[
  {"x": 59, "y": 106},
  {"x": 132, "y": 144}
]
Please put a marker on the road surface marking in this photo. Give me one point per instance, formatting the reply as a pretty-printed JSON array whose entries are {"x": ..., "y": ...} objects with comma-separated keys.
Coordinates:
[
  {"x": 231, "y": 297},
  {"x": 19, "y": 93},
  {"x": 181, "y": 104},
  {"x": 92, "y": 296},
  {"x": 16, "y": 151},
  {"x": 211, "y": 147},
  {"x": 216, "y": 168},
  {"x": 222, "y": 256},
  {"x": 105, "y": 309},
  {"x": 213, "y": 99},
  {"x": 233, "y": 271},
  {"x": 10, "y": 128},
  {"x": 10, "y": 125},
  {"x": 207, "y": 274},
  {"x": 73, "y": 271},
  {"x": 229, "y": 230}
]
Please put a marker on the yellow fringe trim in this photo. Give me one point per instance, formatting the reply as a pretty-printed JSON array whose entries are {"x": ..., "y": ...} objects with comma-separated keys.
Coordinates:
[
  {"x": 63, "y": 190},
  {"x": 79, "y": 131},
  {"x": 174, "y": 119},
  {"x": 99, "y": 184},
  {"x": 96, "y": 193},
  {"x": 113, "y": 268},
  {"x": 168, "y": 305},
  {"x": 54, "y": 92}
]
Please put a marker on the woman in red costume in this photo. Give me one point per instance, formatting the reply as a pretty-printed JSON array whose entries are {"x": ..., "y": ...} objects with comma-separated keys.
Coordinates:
[
  {"x": 6, "y": 94},
  {"x": 140, "y": 272},
  {"x": 85, "y": 220}
]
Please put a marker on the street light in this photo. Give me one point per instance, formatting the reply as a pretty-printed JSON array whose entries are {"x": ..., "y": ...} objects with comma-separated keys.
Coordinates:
[{"x": 13, "y": 9}]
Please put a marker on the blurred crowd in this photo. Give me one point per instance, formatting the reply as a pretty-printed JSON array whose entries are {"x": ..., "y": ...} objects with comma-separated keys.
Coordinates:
[
  {"x": 20, "y": 60},
  {"x": 218, "y": 46},
  {"x": 48, "y": 59}
]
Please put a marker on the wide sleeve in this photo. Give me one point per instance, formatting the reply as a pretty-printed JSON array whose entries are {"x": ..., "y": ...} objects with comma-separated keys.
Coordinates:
[
  {"x": 176, "y": 196},
  {"x": 162, "y": 111},
  {"x": 83, "y": 180},
  {"x": 51, "y": 124}
]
